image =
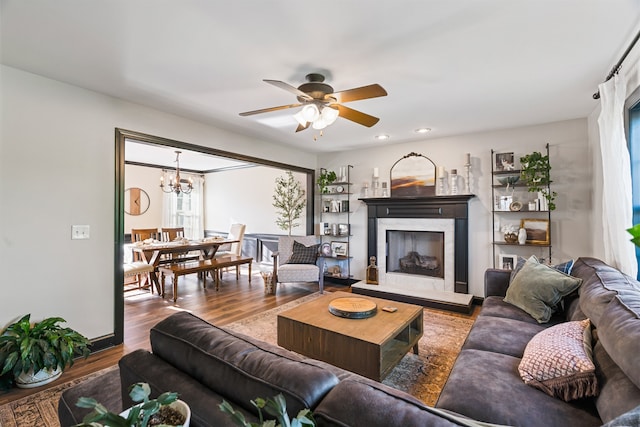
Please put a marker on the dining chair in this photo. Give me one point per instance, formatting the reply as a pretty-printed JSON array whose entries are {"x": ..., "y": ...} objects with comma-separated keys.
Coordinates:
[
  {"x": 302, "y": 265},
  {"x": 236, "y": 232},
  {"x": 171, "y": 234},
  {"x": 140, "y": 235},
  {"x": 134, "y": 273}
]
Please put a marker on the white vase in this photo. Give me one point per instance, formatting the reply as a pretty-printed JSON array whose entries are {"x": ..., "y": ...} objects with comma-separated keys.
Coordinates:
[
  {"x": 31, "y": 380},
  {"x": 179, "y": 405},
  {"x": 522, "y": 236}
]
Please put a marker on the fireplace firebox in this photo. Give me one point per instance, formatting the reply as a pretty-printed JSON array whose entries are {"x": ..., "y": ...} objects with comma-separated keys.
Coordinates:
[{"x": 415, "y": 252}]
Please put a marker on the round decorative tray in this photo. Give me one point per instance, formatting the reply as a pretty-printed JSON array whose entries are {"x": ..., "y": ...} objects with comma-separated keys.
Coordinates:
[{"x": 352, "y": 307}]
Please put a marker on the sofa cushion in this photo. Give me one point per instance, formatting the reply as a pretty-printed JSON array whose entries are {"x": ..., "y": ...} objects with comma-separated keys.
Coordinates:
[
  {"x": 617, "y": 393},
  {"x": 538, "y": 289},
  {"x": 558, "y": 361},
  {"x": 600, "y": 284},
  {"x": 501, "y": 335},
  {"x": 619, "y": 333},
  {"x": 631, "y": 418},
  {"x": 356, "y": 403},
  {"x": 142, "y": 366},
  {"x": 105, "y": 388},
  {"x": 495, "y": 306},
  {"x": 486, "y": 386},
  {"x": 236, "y": 366},
  {"x": 303, "y": 254}
]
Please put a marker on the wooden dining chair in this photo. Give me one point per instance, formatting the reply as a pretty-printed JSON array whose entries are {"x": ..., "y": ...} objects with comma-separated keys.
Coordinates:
[
  {"x": 137, "y": 273},
  {"x": 171, "y": 234},
  {"x": 140, "y": 235}
]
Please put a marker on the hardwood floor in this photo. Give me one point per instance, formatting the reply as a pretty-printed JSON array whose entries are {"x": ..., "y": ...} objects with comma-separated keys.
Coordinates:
[{"x": 234, "y": 301}]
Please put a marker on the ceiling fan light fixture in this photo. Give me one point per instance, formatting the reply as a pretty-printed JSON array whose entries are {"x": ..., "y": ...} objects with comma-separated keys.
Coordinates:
[
  {"x": 319, "y": 124},
  {"x": 329, "y": 115},
  {"x": 310, "y": 112},
  {"x": 300, "y": 118}
]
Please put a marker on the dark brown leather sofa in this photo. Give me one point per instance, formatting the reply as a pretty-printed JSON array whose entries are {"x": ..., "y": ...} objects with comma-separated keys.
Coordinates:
[{"x": 206, "y": 364}]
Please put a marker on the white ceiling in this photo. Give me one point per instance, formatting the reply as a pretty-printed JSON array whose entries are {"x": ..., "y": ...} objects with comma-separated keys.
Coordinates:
[
  {"x": 161, "y": 155},
  {"x": 453, "y": 66}
]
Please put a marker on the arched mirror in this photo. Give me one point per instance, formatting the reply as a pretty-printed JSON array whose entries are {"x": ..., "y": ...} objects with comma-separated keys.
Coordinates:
[{"x": 136, "y": 201}]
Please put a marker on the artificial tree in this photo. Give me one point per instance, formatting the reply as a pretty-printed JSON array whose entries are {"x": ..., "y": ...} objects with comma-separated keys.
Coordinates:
[{"x": 289, "y": 201}]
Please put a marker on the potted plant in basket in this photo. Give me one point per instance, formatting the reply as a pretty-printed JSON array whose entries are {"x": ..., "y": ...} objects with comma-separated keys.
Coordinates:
[
  {"x": 166, "y": 410},
  {"x": 535, "y": 173},
  {"x": 35, "y": 354}
]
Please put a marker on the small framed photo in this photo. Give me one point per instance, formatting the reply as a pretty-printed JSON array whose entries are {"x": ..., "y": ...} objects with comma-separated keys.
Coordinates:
[
  {"x": 537, "y": 230},
  {"x": 507, "y": 262},
  {"x": 343, "y": 229},
  {"x": 339, "y": 249},
  {"x": 325, "y": 249},
  {"x": 505, "y": 162}
]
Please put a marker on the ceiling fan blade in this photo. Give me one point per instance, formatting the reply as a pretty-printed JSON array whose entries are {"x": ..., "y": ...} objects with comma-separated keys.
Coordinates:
[
  {"x": 301, "y": 127},
  {"x": 356, "y": 116},
  {"x": 364, "y": 92},
  {"x": 289, "y": 88},
  {"x": 267, "y": 110}
]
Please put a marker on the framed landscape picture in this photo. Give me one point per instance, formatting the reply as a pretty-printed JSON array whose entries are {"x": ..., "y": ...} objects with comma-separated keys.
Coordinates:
[{"x": 537, "y": 231}]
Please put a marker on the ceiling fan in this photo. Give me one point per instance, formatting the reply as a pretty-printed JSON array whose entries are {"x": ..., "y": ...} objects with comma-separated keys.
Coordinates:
[{"x": 321, "y": 106}]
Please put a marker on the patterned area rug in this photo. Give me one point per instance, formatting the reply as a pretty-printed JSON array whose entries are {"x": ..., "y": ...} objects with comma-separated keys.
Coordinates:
[
  {"x": 422, "y": 375},
  {"x": 39, "y": 409}
]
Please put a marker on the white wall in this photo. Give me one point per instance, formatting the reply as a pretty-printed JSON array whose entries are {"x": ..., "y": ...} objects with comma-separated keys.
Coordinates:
[
  {"x": 57, "y": 169},
  {"x": 571, "y": 173},
  {"x": 245, "y": 196},
  {"x": 147, "y": 179}
]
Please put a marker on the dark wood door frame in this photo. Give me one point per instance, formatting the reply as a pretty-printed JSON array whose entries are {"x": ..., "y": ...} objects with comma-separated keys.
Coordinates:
[{"x": 120, "y": 136}]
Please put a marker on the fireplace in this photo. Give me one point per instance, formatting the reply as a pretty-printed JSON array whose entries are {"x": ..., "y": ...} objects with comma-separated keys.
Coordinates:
[
  {"x": 421, "y": 247},
  {"x": 415, "y": 252}
]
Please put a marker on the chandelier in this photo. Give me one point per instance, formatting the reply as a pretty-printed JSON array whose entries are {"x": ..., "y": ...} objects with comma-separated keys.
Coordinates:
[{"x": 176, "y": 185}]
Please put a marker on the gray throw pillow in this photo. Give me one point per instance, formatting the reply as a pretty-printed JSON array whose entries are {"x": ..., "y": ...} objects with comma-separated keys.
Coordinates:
[
  {"x": 538, "y": 289},
  {"x": 303, "y": 254}
]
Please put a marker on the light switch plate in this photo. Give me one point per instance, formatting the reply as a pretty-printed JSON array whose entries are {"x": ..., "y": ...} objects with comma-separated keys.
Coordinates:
[{"x": 79, "y": 232}]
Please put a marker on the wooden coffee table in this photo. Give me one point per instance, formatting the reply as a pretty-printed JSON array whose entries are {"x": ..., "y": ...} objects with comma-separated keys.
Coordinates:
[{"x": 370, "y": 347}]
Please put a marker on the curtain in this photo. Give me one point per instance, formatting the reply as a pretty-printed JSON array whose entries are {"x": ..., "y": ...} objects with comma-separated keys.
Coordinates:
[
  {"x": 186, "y": 210},
  {"x": 617, "y": 205}
]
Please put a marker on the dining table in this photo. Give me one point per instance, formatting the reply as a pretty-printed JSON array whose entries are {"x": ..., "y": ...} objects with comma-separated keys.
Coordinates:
[{"x": 154, "y": 253}]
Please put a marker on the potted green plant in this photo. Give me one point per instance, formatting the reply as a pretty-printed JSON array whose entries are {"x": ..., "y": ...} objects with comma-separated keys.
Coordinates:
[
  {"x": 276, "y": 407},
  {"x": 535, "y": 173},
  {"x": 289, "y": 200},
  {"x": 635, "y": 233},
  {"x": 35, "y": 354},
  {"x": 166, "y": 410},
  {"x": 325, "y": 179}
]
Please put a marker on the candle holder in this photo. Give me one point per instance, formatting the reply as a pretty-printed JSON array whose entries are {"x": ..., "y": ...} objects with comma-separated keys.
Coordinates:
[
  {"x": 441, "y": 190},
  {"x": 375, "y": 185},
  {"x": 467, "y": 169},
  {"x": 454, "y": 182}
]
